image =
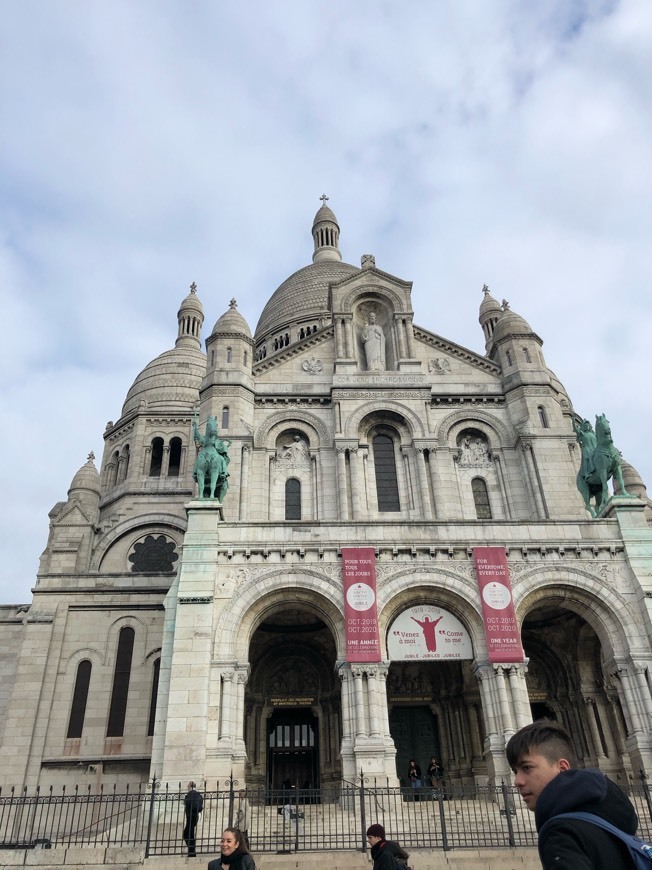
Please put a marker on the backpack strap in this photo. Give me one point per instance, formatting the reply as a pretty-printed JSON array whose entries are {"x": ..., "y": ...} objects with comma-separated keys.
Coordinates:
[{"x": 640, "y": 851}]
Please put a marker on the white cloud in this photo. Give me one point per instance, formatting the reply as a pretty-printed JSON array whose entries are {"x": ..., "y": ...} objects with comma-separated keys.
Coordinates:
[{"x": 146, "y": 145}]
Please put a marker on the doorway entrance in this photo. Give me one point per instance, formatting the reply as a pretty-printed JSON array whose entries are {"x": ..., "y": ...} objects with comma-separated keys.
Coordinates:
[
  {"x": 416, "y": 735},
  {"x": 293, "y": 750}
]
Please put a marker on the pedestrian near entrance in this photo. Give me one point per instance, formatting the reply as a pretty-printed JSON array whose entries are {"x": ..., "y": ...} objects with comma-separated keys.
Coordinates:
[
  {"x": 543, "y": 760},
  {"x": 234, "y": 854},
  {"x": 385, "y": 853},
  {"x": 435, "y": 774},
  {"x": 193, "y": 804},
  {"x": 414, "y": 775}
]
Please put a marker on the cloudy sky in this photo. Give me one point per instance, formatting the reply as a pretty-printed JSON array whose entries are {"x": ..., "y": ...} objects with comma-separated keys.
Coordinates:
[{"x": 148, "y": 144}]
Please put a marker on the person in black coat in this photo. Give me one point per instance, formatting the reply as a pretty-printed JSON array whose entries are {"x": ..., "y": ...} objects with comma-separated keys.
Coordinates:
[
  {"x": 544, "y": 763},
  {"x": 384, "y": 851},
  {"x": 234, "y": 855},
  {"x": 193, "y": 804}
]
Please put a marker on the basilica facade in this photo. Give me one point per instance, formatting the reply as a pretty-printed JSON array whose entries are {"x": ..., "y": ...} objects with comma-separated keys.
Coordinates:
[{"x": 188, "y": 637}]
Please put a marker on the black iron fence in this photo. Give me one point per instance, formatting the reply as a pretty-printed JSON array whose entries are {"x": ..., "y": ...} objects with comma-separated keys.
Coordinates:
[{"x": 287, "y": 820}]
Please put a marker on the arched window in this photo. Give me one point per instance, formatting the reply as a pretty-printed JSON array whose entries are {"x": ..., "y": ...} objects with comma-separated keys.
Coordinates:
[
  {"x": 225, "y": 417},
  {"x": 114, "y": 464},
  {"x": 152, "y": 701},
  {"x": 124, "y": 464},
  {"x": 292, "y": 499},
  {"x": 79, "y": 699},
  {"x": 386, "y": 480},
  {"x": 509, "y": 357},
  {"x": 481, "y": 498},
  {"x": 174, "y": 464},
  {"x": 543, "y": 417},
  {"x": 156, "y": 460},
  {"x": 229, "y": 354},
  {"x": 526, "y": 354},
  {"x": 244, "y": 357},
  {"x": 121, "y": 677}
]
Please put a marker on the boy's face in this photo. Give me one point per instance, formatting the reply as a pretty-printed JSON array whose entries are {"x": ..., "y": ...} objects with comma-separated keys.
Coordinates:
[{"x": 533, "y": 772}]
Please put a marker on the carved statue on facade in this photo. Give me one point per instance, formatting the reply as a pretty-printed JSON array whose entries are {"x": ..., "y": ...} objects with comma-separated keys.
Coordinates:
[
  {"x": 212, "y": 461},
  {"x": 373, "y": 339},
  {"x": 296, "y": 452},
  {"x": 600, "y": 461}
]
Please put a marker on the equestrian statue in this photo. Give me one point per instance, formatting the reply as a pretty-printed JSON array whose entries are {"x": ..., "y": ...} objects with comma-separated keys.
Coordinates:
[
  {"x": 600, "y": 461},
  {"x": 211, "y": 469}
]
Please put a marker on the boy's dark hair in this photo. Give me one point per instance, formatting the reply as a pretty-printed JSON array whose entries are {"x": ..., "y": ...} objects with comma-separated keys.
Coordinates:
[{"x": 544, "y": 737}]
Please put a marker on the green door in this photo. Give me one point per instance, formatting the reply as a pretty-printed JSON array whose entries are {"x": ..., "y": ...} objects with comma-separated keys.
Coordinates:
[{"x": 416, "y": 735}]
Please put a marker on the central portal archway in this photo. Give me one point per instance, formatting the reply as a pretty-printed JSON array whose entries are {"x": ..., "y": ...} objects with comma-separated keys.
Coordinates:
[{"x": 292, "y": 701}]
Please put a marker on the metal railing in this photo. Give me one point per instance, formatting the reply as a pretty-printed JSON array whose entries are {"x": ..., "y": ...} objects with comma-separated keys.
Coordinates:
[{"x": 286, "y": 820}]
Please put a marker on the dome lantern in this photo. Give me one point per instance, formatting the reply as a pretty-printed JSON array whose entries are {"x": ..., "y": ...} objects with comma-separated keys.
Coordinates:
[{"x": 326, "y": 234}]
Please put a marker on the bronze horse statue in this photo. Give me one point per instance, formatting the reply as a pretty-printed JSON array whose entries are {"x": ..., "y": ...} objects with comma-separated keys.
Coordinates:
[
  {"x": 600, "y": 461},
  {"x": 212, "y": 464}
]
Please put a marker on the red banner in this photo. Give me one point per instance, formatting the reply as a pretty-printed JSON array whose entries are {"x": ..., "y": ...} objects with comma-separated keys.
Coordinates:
[
  {"x": 359, "y": 574},
  {"x": 500, "y": 626}
]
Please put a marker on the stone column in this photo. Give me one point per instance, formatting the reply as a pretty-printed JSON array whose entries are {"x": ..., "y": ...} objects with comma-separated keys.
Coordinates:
[
  {"x": 644, "y": 692},
  {"x": 410, "y": 338},
  {"x": 165, "y": 462},
  {"x": 360, "y": 718},
  {"x": 593, "y": 727},
  {"x": 348, "y": 337},
  {"x": 339, "y": 339},
  {"x": 373, "y": 698},
  {"x": 500, "y": 474},
  {"x": 242, "y": 675},
  {"x": 629, "y": 691},
  {"x": 434, "y": 481},
  {"x": 354, "y": 462},
  {"x": 244, "y": 481},
  {"x": 316, "y": 489},
  {"x": 520, "y": 698},
  {"x": 400, "y": 337},
  {"x": 226, "y": 725},
  {"x": 423, "y": 482},
  {"x": 533, "y": 477},
  {"x": 341, "y": 483}
]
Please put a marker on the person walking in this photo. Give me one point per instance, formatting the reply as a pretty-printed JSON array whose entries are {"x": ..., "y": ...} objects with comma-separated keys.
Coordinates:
[
  {"x": 543, "y": 760},
  {"x": 234, "y": 854},
  {"x": 385, "y": 853},
  {"x": 193, "y": 804}
]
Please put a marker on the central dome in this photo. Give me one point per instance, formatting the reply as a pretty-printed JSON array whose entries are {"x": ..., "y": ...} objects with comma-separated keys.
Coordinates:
[{"x": 302, "y": 295}]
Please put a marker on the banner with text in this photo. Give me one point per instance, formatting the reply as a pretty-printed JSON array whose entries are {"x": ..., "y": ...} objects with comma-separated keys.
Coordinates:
[
  {"x": 426, "y": 631},
  {"x": 500, "y": 626},
  {"x": 359, "y": 573}
]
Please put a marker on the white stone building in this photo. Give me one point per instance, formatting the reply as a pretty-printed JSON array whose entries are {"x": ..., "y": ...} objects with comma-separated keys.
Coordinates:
[{"x": 168, "y": 636}]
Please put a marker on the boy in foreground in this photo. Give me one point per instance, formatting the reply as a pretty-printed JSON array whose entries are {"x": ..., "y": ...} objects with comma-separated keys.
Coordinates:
[{"x": 542, "y": 757}]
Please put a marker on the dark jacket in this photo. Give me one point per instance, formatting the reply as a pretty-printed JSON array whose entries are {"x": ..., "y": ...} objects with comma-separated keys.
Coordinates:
[
  {"x": 572, "y": 844},
  {"x": 382, "y": 855},
  {"x": 193, "y": 803},
  {"x": 397, "y": 851},
  {"x": 237, "y": 862}
]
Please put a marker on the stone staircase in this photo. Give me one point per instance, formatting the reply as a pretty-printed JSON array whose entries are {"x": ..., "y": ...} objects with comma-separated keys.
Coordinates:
[{"x": 97, "y": 858}]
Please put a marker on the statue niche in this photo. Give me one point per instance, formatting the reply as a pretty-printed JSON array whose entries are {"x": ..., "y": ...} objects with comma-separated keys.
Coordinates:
[{"x": 372, "y": 335}]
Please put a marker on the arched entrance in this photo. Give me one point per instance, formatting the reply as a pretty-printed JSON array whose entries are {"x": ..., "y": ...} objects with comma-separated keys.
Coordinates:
[
  {"x": 435, "y": 709},
  {"x": 567, "y": 681},
  {"x": 292, "y": 701}
]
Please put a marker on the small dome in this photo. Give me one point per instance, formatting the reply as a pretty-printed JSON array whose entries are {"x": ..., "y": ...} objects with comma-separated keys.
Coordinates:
[
  {"x": 303, "y": 295},
  {"x": 489, "y": 305},
  {"x": 168, "y": 383},
  {"x": 511, "y": 323},
  {"x": 632, "y": 480},
  {"x": 325, "y": 214},
  {"x": 86, "y": 482},
  {"x": 191, "y": 302},
  {"x": 232, "y": 321}
]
